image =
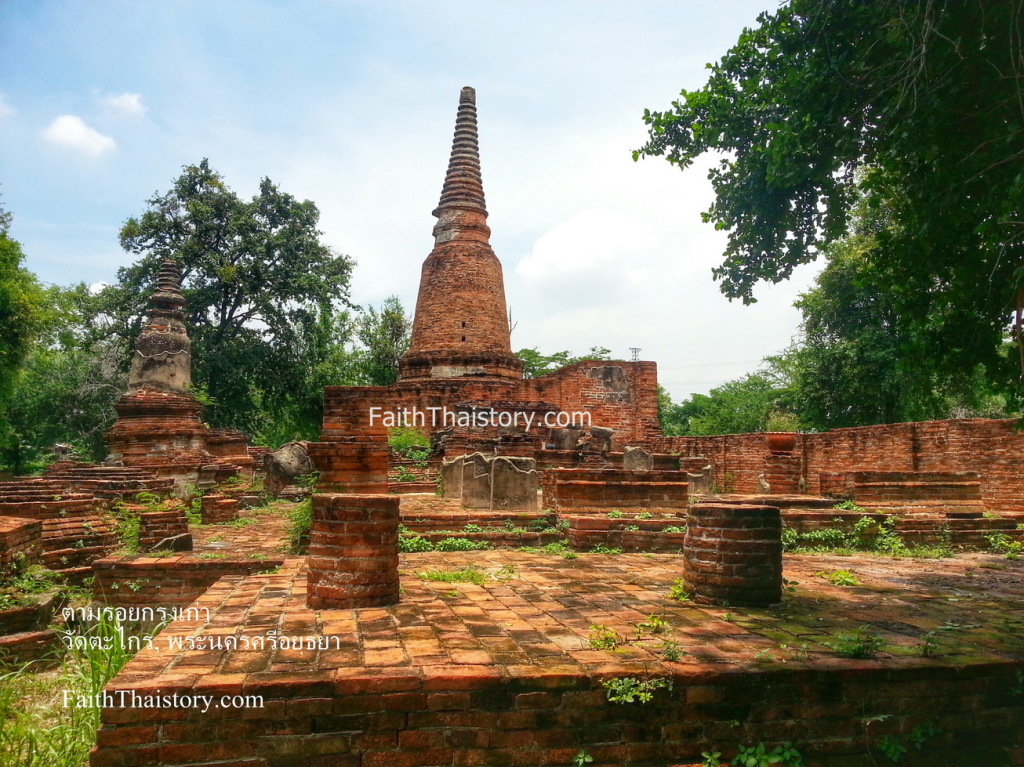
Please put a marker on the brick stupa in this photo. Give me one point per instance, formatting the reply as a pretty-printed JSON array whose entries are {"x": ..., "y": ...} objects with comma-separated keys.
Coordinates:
[
  {"x": 460, "y": 359},
  {"x": 461, "y": 323},
  {"x": 159, "y": 422}
]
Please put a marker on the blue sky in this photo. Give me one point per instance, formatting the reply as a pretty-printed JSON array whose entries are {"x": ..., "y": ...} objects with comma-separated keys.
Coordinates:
[{"x": 352, "y": 105}]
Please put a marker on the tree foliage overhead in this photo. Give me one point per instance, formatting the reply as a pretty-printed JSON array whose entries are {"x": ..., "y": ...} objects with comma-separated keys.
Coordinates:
[
  {"x": 929, "y": 94},
  {"x": 263, "y": 291}
]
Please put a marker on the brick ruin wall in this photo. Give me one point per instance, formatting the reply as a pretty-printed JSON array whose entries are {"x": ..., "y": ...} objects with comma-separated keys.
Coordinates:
[
  {"x": 619, "y": 395},
  {"x": 993, "y": 448},
  {"x": 402, "y": 717},
  {"x": 21, "y": 540}
]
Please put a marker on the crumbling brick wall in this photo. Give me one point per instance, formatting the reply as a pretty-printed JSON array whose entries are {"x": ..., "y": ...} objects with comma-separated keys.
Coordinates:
[
  {"x": 993, "y": 448},
  {"x": 619, "y": 395}
]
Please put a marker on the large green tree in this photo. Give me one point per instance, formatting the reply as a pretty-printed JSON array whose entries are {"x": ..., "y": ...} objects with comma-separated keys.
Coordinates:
[
  {"x": 758, "y": 401},
  {"x": 67, "y": 384},
  {"x": 22, "y": 315},
  {"x": 927, "y": 93},
  {"x": 21, "y": 306},
  {"x": 264, "y": 294},
  {"x": 858, "y": 359},
  {"x": 385, "y": 334}
]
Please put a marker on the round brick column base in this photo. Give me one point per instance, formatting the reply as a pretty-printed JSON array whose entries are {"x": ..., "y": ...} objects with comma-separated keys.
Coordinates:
[
  {"x": 732, "y": 555},
  {"x": 353, "y": 551}
]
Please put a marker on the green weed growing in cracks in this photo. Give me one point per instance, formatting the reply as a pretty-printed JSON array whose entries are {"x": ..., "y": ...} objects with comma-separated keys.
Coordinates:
[{"x": 628, "y": 689}]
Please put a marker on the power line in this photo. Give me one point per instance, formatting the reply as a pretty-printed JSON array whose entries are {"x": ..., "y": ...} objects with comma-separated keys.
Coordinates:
[{"x": 709, "y": 364}]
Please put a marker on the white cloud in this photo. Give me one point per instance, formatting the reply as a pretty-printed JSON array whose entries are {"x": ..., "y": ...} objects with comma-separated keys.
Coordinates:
[
  {"x": 71, "y": 132},
  {"x": 6, "y": 110},
  {"x": 591, "y": 242},
  {"x": 124, "y": 104}
]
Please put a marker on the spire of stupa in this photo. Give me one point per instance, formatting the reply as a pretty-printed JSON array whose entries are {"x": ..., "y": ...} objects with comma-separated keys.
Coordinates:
[
  {"x": 462, "y": 211},
  {"x": 167, "y": 300},
  {"x": 163, "y": 358},
  {"x": 461, "y": 322}
]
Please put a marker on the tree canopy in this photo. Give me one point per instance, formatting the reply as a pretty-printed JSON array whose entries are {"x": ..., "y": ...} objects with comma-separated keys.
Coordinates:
[
  {"x": 930, "y": 97},
  {"x": 264, "y": 293},
  {"x": 386, "y": 335},
  {"x": 22, "y": 314},
  {"x": 536, "y": 364}
]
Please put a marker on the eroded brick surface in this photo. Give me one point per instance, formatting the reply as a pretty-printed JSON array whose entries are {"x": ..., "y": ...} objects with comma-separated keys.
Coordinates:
[
  {"x": 353, "y": 551},
  {"x": 994, "y": 449},
  {"x": 502, "y": 673}
]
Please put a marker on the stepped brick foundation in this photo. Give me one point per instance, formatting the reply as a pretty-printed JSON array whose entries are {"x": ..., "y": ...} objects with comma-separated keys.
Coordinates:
[
  {"x": 611, "y": 488},
  {"x": 20, "y": 542},
  {"x": 353, "y": 551},
  {"x": 76, "y": 529},
  {"x": 587, "y": 531},
  {"x": 908, "y": 492},
  {"x": 109, "y": 483},
  {"x": 162, "y": 432},
  {"x": 174, "y": 581},
  {"x": 24, "y": 630},
  {"x": 732, "y": 555}
]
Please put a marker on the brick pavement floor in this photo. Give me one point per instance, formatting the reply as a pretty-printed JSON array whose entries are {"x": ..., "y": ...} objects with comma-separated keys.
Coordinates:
[{"x": 542, "y": 611}]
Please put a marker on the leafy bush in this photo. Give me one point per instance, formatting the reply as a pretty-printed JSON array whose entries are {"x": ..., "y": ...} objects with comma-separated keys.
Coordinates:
[
  {"x": 848, "y": 505},
  {"x": 678, "y": 592},
  {"x": 127, "y": 527},
  {"x": 406, "y": 440},
  {"x": 838, "y": 577},
  {"x": 410, "y": 544},
  {"x": 867, "y": 535},
  {"x": 603, "y": 638},
  {"x": 24, "y": 581},
  {"x": 1001, "y": 543}
]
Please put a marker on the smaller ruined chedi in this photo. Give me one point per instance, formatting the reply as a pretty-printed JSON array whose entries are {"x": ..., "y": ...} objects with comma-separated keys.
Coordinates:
[{"x": 159, "y": 422}]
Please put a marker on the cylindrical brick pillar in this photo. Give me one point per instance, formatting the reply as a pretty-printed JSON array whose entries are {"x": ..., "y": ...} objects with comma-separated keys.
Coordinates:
[
  {"x": 732, "y": 555},
  {"x": 353, "y": 551},
  {"x": 351, "y": 464}
]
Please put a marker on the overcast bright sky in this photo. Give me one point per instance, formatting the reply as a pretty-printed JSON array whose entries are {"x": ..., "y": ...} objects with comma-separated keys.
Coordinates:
[{"x": 352, "y": 105}]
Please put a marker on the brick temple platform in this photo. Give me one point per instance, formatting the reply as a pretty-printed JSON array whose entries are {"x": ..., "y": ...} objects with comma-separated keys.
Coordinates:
[
  {"x": 502, "y": 673},
  {"x": 165, "y": 580}
]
